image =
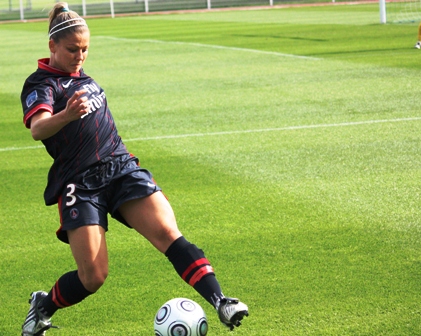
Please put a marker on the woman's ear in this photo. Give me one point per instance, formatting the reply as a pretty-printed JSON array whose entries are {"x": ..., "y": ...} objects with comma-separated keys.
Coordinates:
[{"x": 52, "y": 46}]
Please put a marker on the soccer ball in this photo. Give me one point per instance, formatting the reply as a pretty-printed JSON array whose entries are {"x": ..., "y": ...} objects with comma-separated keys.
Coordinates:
[{"x": 180, "y": 317}]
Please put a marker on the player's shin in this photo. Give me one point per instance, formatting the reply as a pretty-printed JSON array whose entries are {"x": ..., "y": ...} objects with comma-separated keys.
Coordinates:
[
  {"x": 194, "y": 268},
  {"x": 67, "y": 291}
]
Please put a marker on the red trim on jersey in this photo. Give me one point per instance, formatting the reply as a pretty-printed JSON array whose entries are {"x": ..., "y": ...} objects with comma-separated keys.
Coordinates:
[
  {"x": 43, "y": 64},
  {"x": 62, "y": 235},
  {"x": 197, "y": 263},
  {"x": 200, "y": 273},
  {"x": 35, "y": 110},
  {"x": 59, "y": 203}
]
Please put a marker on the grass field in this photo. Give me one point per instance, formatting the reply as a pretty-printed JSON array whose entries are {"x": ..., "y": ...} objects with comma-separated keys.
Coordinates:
[{"x": 288, "y": 142}]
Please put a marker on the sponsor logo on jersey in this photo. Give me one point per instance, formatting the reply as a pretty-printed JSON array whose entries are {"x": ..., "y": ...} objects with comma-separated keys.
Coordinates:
[
  {"x": 32, "y": 98},
  {"x": 96, "y": 98}
]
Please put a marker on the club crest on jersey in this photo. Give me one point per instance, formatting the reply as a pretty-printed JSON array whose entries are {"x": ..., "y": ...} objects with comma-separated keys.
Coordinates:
[
  {"x": 74, "y": 213},
  {"x": 32, "y": 98}
]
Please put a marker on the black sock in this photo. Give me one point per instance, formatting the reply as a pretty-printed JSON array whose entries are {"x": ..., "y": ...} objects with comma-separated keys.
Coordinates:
[
  {"x": 193, "y": 267},
  {"x": 67, "y": 291}
]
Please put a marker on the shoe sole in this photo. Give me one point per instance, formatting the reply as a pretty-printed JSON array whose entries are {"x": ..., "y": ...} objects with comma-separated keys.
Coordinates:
[{"x": 236, "y": 319}]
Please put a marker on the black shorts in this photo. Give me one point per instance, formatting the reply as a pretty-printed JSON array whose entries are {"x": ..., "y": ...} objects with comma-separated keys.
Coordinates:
[{"x": 90, "y": 196}]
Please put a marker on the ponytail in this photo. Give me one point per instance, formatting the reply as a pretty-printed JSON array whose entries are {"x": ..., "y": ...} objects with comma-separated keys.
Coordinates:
[{"x": 63, "y": 21}]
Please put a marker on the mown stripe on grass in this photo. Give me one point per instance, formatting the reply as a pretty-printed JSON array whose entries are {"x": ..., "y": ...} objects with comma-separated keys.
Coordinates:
[
  {"x": 261, "y": 130},
  {"x": 202, "y": 45}
]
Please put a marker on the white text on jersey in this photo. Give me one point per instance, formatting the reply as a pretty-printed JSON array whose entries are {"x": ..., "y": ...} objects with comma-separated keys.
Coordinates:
[{"x": 96, "y": 98}]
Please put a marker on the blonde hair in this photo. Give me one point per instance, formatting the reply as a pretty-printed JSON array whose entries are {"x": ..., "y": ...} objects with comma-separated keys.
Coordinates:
[{"x": 63, "y": 21}]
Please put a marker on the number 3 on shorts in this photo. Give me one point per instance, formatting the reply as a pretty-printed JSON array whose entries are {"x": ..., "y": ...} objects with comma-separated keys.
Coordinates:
[{"x": 70, "y": 195}]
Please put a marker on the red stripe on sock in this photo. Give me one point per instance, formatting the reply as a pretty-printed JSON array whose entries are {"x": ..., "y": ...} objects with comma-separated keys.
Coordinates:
[
  {"x": 54, "y": 298},
  {"x": 58, "y": 299},
  {"x": 200, "y": 273},
  {"x": 197, "y": 263}
]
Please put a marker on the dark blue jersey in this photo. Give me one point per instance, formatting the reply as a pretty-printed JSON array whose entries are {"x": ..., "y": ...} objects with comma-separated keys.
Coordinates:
[{"x": 81, "y": 143}]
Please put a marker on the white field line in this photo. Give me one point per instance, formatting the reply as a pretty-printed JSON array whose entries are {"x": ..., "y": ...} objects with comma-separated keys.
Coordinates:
[
  {"x": 209, "y": 46},
  {"x": 261, "y": 130}
]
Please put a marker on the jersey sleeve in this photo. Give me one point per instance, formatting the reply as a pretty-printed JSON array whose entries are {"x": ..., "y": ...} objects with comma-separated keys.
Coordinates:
[{"x": 34, "y": 99}]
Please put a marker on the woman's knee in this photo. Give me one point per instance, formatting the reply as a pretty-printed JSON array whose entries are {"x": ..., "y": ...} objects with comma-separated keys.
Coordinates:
[{"x": 93, "y": 279}]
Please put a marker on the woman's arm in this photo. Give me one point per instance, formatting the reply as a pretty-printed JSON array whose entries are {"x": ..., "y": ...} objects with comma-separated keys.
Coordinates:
[{"x": 45, "y": 125}]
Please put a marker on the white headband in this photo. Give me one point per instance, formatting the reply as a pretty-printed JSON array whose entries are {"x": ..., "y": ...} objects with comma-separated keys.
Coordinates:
[{"x": 81, "y": 22}]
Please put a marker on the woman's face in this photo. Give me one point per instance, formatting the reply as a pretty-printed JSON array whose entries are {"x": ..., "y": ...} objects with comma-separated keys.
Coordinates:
[{"x": 70, "y": 52}]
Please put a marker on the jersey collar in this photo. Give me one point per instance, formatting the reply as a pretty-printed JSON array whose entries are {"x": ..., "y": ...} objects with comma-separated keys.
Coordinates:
[{"x": 43, "y": 64}]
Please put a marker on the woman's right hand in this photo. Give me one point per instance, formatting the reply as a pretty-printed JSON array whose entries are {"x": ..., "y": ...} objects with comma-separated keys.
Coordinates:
[{"x": 77, "y": 106}]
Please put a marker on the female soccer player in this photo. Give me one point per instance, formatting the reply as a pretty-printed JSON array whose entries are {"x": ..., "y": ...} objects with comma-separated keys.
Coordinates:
[{"x": 93, "y": 175}]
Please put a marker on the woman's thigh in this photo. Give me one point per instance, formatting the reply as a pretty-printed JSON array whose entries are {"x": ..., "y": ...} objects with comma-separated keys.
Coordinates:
[{"x": 153, "y": 218}]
